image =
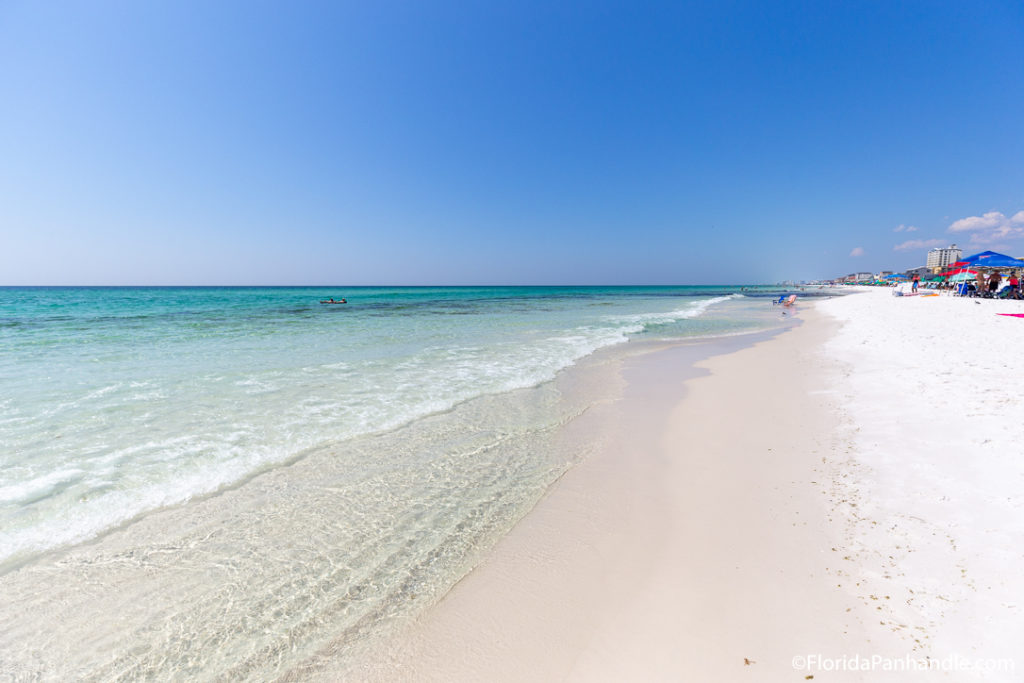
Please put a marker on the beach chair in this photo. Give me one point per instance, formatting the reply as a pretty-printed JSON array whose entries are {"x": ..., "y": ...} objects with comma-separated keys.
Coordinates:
[{"x": 1007, "y": 292}]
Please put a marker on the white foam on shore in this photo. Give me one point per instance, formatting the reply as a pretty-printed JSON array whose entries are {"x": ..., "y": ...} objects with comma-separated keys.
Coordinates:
[
  {"x": 692, "y": 310},
  {"x": 934, "y": 491},
  {"x": 323, "y": 555},
  {"x": 156, "y": 449}
]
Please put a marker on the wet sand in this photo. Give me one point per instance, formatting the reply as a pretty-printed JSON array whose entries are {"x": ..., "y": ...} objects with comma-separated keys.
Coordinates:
[{"x": 699, "y": 541}]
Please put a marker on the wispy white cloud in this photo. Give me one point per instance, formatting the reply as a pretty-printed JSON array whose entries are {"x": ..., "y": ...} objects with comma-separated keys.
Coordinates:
[
  {"x": 904, "y": 228},
  {"x": 991, "y": 227},
  {"x": 918, "y": 244},
  {"x": 857, "y": 251}
]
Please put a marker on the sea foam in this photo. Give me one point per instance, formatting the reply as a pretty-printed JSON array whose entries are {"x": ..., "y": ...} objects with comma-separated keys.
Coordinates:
[{"x": 211, "y": 387}]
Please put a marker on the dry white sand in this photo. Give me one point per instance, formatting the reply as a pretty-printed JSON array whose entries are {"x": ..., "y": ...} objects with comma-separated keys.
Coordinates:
[
  {"x": 930, "y": 397},
  {"x": 706, "y": 540}
]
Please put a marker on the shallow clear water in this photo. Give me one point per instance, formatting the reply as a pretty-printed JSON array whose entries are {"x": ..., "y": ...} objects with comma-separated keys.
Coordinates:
[
  {"x": 394, "y": 437},
  {"x": 118, "y": 401}
]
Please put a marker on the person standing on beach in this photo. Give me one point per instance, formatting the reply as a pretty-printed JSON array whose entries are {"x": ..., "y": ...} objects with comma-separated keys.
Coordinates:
[
  {"x": 981, "y": 283},
  {"x": 917, "y": 280},
  {"x": 993, "y": 282}
]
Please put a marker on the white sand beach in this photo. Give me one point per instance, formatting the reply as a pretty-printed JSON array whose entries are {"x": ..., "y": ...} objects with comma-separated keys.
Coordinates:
[
  {"x": 930, "y": 398},
  {"x": 526, "y": 342},
  {"x": 846, "y": 490},
  {"x": 837, "y": 499}
]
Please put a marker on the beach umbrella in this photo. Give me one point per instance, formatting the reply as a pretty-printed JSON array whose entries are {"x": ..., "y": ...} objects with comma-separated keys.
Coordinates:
[
  {"x": 958, "y": 271},
  {"x": 980, "y": 256},
  {"x": 963, "y": 275},
  {"x": 992, "y": 259}
]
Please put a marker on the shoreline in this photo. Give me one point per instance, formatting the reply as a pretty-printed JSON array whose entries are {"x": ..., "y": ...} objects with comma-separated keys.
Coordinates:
[
  {"x": 712, "y": 509},
  {"x": 325, "y": 555},
  {"x": 90, "y": 527},
  {"x": 676, "y": 549}
]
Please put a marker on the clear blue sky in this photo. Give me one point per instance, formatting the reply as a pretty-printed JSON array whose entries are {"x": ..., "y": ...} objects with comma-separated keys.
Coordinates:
[{"x": 486, "y": 142}]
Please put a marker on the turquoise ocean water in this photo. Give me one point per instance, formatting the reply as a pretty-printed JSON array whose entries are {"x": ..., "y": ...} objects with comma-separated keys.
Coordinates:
[{"x": 399, "y": 430}]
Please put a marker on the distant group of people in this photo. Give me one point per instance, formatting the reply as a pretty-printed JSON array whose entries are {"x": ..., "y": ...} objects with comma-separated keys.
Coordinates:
[{"x": 991, "y": 286}]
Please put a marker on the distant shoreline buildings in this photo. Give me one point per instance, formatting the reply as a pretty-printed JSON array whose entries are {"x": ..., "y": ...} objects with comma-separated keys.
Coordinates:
[{"x": 937, "y": 260}]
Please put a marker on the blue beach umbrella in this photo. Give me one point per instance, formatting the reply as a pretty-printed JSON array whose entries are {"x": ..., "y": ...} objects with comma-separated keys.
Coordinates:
[{"x": 993, "y": 259}]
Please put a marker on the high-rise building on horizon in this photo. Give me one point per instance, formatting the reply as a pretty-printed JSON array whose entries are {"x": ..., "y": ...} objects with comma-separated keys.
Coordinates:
[{"x": 940, "y": 257}]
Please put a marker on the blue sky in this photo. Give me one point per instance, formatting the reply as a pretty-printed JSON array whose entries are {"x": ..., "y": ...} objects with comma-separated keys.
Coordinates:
[{"x": 495, "y": 143}]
